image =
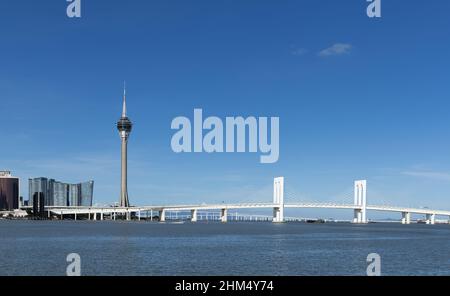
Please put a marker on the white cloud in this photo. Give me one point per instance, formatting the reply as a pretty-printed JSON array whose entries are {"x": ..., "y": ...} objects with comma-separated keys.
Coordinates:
[
  {"x": 429, "y": 175},
  {"x": 336, "y": 49}
]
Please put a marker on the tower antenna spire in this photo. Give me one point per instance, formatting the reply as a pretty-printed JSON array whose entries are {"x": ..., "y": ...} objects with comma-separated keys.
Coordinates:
[{"x": 124, "y": 107}]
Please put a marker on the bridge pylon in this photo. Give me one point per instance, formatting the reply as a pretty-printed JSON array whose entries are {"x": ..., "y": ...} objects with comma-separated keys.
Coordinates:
[
  {"x": 360, "y": 211},
  {"x": 278, "y": 199}
]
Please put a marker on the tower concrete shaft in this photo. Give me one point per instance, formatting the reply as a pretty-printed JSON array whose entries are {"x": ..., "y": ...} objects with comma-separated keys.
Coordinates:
[{"x": 124, "y": 202}]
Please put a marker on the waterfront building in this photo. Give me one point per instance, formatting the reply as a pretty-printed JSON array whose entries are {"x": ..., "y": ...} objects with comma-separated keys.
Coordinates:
[
  {"x": 9, "y": 191},
  {"x": 61, "y": 194},
  {"x": 86, "y": 193},
  {"x": 38, "y": 204}
]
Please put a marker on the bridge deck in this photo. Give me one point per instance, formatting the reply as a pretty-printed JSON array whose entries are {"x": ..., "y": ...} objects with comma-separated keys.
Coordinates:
[{"x": 87, "y": 210}]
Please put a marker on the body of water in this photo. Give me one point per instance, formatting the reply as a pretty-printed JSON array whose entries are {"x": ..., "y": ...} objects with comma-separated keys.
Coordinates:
[{"x": 143, "y": 248}]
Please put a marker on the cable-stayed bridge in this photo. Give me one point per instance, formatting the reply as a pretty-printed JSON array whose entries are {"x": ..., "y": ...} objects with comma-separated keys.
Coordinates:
[{"x": 359, "y": 206}]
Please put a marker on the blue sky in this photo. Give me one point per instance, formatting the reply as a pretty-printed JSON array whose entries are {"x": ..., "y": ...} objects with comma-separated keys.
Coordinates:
[{"x": 357, "y": 98}]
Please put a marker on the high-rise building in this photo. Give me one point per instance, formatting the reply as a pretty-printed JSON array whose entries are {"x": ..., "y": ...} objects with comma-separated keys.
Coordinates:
[
  {"x": 61, "y": 194},
  {"x": 9, "y": 191},
  {"x": 38, "y": 204},
  {"x": 74, "y": 195},
  {"x": 39, "y": 185},
  {"x": 86, "y": 193},
  {"x": 124, "y": 126},
  {"x": 35, "y": 186}
]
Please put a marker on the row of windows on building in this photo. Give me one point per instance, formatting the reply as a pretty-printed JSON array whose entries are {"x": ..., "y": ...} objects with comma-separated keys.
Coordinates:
[{"x": 61, "y": 194}]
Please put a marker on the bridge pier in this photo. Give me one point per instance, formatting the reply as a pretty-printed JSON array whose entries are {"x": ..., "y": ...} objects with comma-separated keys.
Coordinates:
[
  {"x": 277, "y": 215},
  {"x": 360, "y": 191},
  {"x": 278, "y": 198},
  {"x": 357, "y": 216},
  {"x": 162, "y": 216},
  {"x": 224, "y": 215},
  {"x": 194, "y": 216},
  {"x": 101, "y": 215},
  {"x": 95, "y": 216},
  {"x": 406, "y": 218},
  {"x": 431, "y": 219}
]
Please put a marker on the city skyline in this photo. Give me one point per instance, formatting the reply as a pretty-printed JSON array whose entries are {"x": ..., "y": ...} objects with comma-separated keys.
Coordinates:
[{"x": 355, "y": 102}]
